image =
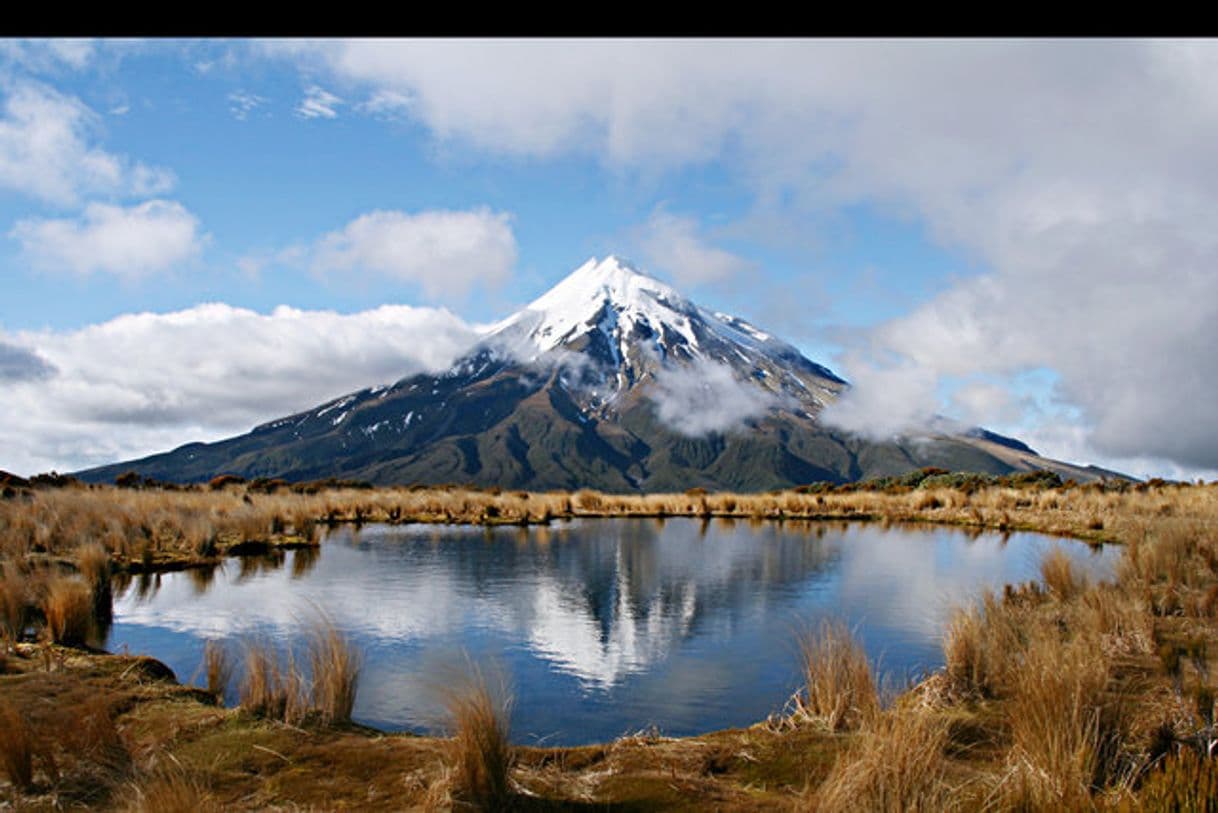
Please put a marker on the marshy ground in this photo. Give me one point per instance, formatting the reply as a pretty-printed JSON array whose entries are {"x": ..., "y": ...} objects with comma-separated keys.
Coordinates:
[{"x": 1056, "y": 695}]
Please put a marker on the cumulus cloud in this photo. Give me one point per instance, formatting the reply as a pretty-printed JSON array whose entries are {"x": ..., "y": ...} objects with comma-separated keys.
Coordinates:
[
  {"x": 20, "y": 364},
  {"x": 1079, "y": 175},
  {"x": 148, "y": 382},
  {"x": 673, "y": 244},
  {"x": 445, "y": 252},
  {"x": 706, "y": 397},
  {"x": 318, "y": 103},
  {"x": 47, "y": 150},
  {"x": 133, "y": 241}
]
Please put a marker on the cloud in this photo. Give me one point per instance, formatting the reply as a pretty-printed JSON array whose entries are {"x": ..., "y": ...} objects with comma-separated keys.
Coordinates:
[
  {"x": 19, "y": 364},
  {"x": 49, "y": 54},
  {"x": 1079, "y": 175},
  {"x": 241, "y": 103},
  {"x": 672, "y": 243},
  {"x": 46, "y": 151},
  {"x": 132, "y": 242},
  {"x": 445, "y": 252},
  {"x": 707, "y": 397},
  {"x": 147, "y": 382},
  {"x": 318, "y": 103}
]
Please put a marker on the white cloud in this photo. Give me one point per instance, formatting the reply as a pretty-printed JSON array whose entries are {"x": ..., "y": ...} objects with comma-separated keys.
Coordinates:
[
  {"x": 318, "y": 103},
  {"x": 148, "y": 382},
  {"x": 49, "y": 54},
  {"x": 46, "y": 151},
  {"x": 1081, "y": 174},
  {"x": 672, "y": 243},
  {"x": 445, "y": 252},
  {"x": 707, "y": 397},
  {"x": 135, "y": 241},
  {"x": 241, "y": 103}
]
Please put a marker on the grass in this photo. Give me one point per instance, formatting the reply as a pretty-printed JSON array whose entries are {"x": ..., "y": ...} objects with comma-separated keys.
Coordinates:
[
  {"x": 218, "y": 668},
  {"x": 896, "y": 764},
  {"x": 1060, "y": 694},
  {"x": 839, "y": 689},
  {"x": 482, "y": 756},
  {"x": 274, "y": 687},
  {"x": 334, "y": 669},
  {"x": 16, "y": 747},
  {"x": 69, "y": 610},
  {"x": 14, "y": 603}
]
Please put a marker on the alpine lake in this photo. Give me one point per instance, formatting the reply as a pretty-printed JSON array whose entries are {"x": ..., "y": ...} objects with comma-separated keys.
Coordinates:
[{"x": 598, "y": 627}]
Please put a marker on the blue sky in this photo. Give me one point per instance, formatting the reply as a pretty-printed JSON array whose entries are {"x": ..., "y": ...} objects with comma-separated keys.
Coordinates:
[{"x": 966, "y": 228}]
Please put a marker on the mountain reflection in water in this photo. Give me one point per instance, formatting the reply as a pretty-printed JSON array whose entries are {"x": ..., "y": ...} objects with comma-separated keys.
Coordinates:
[{"x": 604, "y": 626}]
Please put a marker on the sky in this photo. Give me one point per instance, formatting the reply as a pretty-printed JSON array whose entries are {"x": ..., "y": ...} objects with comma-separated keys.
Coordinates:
[{"x": 199, "y": 236}]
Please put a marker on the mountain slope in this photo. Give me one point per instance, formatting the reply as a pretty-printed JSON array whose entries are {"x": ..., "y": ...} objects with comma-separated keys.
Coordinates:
[{"x": 610, "y": 380}]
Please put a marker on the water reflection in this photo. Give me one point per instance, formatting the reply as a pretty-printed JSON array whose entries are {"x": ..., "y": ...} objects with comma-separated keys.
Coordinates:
[{"x": 606, "y": 625}]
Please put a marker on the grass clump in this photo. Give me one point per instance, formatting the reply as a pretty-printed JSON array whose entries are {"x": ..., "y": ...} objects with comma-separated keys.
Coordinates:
[
  {"x": 269, "y": 688},
  {"x": 482, "y": 756},
  {"x": 1183, "y": 781},
  {"x": 68, "y": 607},
  {"x": 14, "y": 603},
  {"x": 897, "y": 763},
  {"x": 16, "y": 747},
  {"x": 1060, "y": 576},
  {"x": 840, "y": 690},
  {"x": 218, "y": 668},
  {"x": 335, "y": 667}
]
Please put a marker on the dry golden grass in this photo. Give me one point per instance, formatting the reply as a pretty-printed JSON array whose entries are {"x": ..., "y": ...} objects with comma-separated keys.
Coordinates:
[
  {"x": 14, "y": 603},
  {"x": 270, "y": 688},
  {"x": 16, "y": 746},
  {"x": 170, "y": 790},
  {"x": 896, "y": 763},
  {"x": 218, "y": 668},
  {"x": 335, "y": 669},
  {"x": 1060, "y": 576},
  {"x": 68, "y": 607},
  {"x": 839, "y": 689},
  {"x": 481, "y": 754}
]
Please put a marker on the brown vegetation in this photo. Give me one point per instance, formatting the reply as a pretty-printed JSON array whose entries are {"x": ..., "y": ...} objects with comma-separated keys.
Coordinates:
[
  {"x": 1063, "y": 694},
  {"x": 481, "y": 752},
  {"x": 839, "y": 689}
]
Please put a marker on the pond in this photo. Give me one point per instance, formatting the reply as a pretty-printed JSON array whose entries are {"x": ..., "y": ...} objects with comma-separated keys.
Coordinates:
[{"x": 602, "y": 627}]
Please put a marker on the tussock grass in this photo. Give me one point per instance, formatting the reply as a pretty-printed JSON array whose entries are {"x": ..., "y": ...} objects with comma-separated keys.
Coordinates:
[
  {"x": 896, "y": 763},
  {"x": 170, "y": 790},
  {"x": 1060, "y": 576},
  {"x": 16, "y": 747},
  {"x": 14, "y": 603},
  {"x": 1061, "y": 723},
  {"x": 335, "y": 669},
  {"x": 270, "y": 688},
  {"x": 482, "y": 756},
  {"x": 68, "y": 607},
  {"x": 839, "y": 689},
  {"x": 218, "y": 668}
]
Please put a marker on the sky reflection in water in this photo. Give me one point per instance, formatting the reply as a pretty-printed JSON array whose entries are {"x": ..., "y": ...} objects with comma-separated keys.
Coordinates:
[{"x": 603, "y": 627}]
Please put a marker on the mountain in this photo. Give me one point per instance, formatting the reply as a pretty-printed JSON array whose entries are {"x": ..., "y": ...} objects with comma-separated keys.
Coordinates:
[{"x": 611, "y": 380}]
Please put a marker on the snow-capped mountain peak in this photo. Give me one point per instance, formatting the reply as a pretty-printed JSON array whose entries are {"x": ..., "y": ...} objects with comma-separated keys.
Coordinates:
[{"x": 609, "y": 294}]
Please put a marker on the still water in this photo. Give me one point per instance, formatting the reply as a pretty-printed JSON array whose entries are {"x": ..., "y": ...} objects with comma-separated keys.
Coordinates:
[{"x": 603, "y": 627}]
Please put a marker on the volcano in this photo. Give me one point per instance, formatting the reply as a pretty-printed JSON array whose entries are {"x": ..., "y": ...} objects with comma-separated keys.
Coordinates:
[{"x": 611, "y": 380}]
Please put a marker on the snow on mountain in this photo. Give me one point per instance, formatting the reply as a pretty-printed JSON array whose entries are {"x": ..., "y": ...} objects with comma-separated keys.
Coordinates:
[{"x": 636, "y": 329}]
